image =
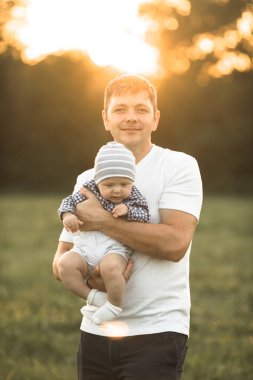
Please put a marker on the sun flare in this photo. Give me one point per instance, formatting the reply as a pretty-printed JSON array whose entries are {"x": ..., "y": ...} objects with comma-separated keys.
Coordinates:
[{"x": 110, "y": 32}]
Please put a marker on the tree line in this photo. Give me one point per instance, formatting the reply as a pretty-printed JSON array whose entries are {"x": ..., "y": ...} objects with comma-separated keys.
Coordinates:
[{"x": 51, "y": 126}]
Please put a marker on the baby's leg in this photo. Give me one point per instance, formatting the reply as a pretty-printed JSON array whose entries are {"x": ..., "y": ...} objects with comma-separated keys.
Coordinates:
[
  {"x": 73, "y": 270},
  {"x": 112, "y": 267}
]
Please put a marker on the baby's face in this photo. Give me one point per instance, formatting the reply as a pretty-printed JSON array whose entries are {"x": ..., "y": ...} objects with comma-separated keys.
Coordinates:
[{"x": 115, "y": 189}]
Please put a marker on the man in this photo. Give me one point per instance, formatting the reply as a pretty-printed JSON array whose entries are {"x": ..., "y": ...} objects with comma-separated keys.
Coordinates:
[{"x": 149, "y": 339}]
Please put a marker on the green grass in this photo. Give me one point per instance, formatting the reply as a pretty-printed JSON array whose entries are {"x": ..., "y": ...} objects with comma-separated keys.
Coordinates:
[
  {"x": 221, "y": 344},
  {"x": 39, "y": 320}
]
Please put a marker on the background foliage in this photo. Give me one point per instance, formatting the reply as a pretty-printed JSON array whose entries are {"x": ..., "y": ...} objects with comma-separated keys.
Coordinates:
[
  {"x": 51, "y": 125},
  {"x": 50, "y": 112}
]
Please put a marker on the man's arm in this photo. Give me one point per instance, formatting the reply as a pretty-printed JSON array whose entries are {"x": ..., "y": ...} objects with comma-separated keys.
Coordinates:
[{"x": 168, "y": 240}]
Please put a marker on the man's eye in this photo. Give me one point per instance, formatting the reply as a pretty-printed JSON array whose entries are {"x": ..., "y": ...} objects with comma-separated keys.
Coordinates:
[
  {"x": 142, "y": 110},
  {"x": 119, "y": 110}
]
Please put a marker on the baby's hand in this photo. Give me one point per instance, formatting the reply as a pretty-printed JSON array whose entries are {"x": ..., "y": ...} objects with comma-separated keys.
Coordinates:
[
  {"x": 120, "y": 210},
  {"x": 71, "y": 222},
  {"x": 83, "y": 191}
]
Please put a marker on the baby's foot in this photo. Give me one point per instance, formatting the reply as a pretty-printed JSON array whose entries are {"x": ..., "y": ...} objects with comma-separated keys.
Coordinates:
[{"x": 107, "y": 312}]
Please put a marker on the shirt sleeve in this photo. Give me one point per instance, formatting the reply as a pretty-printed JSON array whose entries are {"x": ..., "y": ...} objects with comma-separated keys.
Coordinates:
[
  {"x": 183, "y": 191},
  {"x": 137, "y": 207},
  {"x": 69, "y": 204},
  {"x": 66, "y": 236}
]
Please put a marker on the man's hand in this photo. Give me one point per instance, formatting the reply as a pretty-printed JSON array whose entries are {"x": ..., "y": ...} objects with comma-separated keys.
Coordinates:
[
  {"x": 91, "y": 213},
  {"x": 95, "y": 280},
  {"x": 120, "y": 210},
  {"x": 71, "y": 222}
]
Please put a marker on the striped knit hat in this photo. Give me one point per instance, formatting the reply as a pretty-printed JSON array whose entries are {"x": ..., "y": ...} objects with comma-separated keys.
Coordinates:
[{"x": 114, "y": 160}]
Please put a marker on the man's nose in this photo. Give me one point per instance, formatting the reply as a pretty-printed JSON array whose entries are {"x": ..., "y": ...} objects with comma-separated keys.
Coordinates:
[{"x": 131, "y": 116}]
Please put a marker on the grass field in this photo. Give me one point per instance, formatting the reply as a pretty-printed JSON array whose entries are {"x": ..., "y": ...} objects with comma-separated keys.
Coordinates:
[{"x": 39, "y": 320}]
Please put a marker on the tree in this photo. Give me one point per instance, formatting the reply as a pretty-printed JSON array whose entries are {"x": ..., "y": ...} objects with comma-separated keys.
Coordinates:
[{"x": 217, "y": 35}]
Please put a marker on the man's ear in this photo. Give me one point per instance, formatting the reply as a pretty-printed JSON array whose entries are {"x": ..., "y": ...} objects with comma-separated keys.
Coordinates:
[
  {"x": 105, "y": 120},
  {"x": 156, "y": 120}
]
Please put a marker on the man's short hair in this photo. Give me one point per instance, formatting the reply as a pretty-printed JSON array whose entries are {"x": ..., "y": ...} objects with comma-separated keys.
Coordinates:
[{"x": 128, "y": 83}]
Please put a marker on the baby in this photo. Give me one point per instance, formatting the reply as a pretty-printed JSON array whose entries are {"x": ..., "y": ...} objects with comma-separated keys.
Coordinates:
[{"x": 114, "y": 188}]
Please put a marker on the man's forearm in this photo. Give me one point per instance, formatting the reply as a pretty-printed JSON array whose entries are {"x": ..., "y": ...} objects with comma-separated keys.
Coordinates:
[
  {"x": 162, "y": 241},
  {"x": 168, "y": 240}
]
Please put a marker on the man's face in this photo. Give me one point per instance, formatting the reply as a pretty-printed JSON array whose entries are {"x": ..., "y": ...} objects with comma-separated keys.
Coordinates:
[{"x": 130, "y": 118}]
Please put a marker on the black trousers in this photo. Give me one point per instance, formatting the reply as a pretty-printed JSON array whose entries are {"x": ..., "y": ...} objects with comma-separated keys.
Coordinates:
[{"x": 143, "y": 357}]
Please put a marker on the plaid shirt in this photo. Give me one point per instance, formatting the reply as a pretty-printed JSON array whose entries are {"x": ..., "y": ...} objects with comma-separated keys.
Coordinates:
[{"x": 136, "y": 203}]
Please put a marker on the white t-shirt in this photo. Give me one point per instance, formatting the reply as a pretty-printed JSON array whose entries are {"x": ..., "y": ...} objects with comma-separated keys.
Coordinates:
[{"x": 157, "y": 294}]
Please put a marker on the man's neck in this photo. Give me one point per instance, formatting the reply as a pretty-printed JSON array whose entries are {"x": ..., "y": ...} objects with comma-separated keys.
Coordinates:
[{"x": 141, "y": 152}]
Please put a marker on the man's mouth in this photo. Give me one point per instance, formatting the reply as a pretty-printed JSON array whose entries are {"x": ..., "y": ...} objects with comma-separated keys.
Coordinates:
[{"x": 130, "y": 129}]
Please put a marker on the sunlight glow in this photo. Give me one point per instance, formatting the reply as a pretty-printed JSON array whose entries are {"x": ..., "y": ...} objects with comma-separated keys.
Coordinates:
[
  {"x": 111, "y": 32},
  {"x": 206, "y": 45},
  {"x": 129, "y": 36},
  {"x": 171, "y": 23},
  {"x": 223, "y": 46},
  {"x": 245, "y": 24},
  {"x": 116, "y": 329},
  {"x": 183, "y": 7}
]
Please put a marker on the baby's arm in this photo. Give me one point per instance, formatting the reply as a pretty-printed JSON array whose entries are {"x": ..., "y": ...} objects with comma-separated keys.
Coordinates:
[
  {"x": 69, "y": 204},
  {"x": 67, "y": 209},
  {"x": 137, "y": 207},
  {"x": 71, "y": 222},
  {"x": 138, "y": 214},
  {"x": 120, "y": 210}
]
